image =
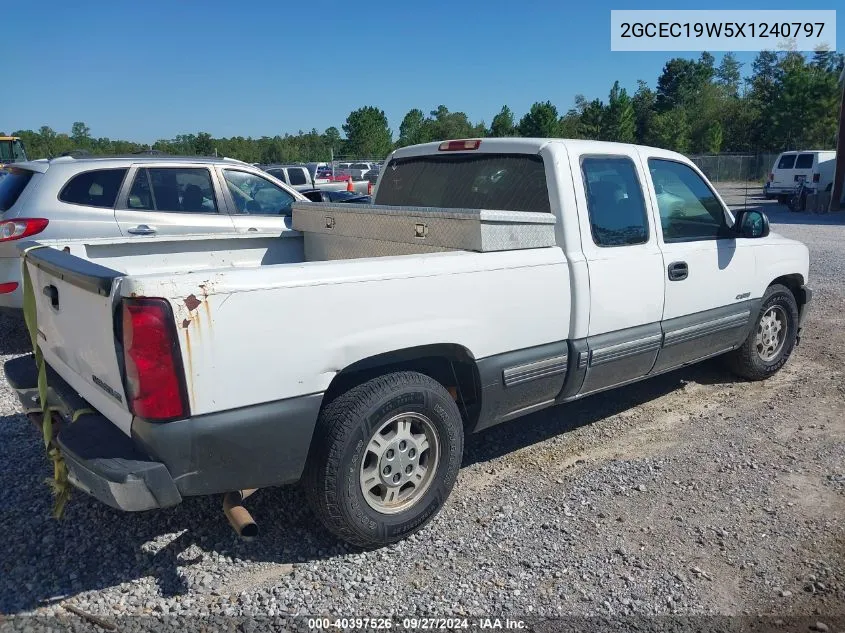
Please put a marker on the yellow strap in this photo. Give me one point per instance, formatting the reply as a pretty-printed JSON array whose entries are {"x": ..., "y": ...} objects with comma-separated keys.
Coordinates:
[
  {"x": 79, "y": 413},
  {"x": 59, "y": 483}
]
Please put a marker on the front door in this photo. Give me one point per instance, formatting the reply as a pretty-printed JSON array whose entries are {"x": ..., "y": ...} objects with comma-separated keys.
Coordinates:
[
  {"x": 707, "y": 272},
  {"x": 625, "y": 268}
]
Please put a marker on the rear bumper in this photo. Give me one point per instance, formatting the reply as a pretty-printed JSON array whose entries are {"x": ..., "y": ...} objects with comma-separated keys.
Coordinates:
[{"x": 253, "y": 447}]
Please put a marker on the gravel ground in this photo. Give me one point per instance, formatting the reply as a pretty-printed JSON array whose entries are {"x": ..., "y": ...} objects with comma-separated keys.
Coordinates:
[{"x": 689, "y": 494}]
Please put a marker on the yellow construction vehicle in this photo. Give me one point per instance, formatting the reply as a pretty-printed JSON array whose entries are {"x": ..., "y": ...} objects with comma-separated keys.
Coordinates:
[{"x": 11, "y": 150}]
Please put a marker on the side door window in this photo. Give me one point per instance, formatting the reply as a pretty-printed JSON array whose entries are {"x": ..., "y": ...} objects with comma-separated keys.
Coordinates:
[
  {"x": 689, "y": 209},
  {"x": 257, "y": 203},
  {"x": 625, "y": 269},
  {"x": 614, "y": 201},
  {"x": 172, "y": 200}
]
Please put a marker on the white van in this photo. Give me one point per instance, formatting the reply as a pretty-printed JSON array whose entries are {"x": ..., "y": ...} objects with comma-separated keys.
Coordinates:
[{"x": 790, "y": 168}]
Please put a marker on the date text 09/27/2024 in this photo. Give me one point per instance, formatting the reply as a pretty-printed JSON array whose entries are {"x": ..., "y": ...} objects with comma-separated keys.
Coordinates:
[{"x": 416, "y": 623}]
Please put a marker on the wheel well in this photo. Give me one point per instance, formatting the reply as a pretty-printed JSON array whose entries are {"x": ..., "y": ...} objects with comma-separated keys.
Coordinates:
[
  {"x": 453, "y": 366},
  {"x": 795, "y": 283}
]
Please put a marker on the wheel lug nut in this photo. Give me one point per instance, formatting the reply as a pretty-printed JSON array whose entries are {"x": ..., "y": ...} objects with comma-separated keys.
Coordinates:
[
  {"x": 402, "y": 445},
  {"x": 412, "y": 452},
  {"x": 408, "y": 469},
  {"x": 386, "y": 470},
  {"x": 389, "y": 454},
  {"x": 396, "y": 478}
]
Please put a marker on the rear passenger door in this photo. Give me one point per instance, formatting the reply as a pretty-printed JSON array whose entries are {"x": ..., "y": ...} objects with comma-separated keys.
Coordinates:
[
  {"x": 625, "y": 268},
  {"x": 172, "y": 200},
  {"x": 707, "y": 271}
]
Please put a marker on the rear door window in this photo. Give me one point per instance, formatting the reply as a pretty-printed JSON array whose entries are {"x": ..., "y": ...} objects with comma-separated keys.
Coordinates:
[
  {"x": 173, "y": 189},
  {"x": 614, "y": 201},
  {"x": 12, "y": 183},
  {"x": 296, "y": 177},
  {"x": 96, "y": 188},
  {"x": 804, "y": 161},
  {"x": 787, "y": 161},
  {"x": 508, "y": 182}
]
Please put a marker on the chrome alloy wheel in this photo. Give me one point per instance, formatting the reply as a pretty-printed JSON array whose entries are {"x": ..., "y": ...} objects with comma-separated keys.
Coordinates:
[
  {"x": 399, "y": 463},
  {"x": 771, "y": 333}
]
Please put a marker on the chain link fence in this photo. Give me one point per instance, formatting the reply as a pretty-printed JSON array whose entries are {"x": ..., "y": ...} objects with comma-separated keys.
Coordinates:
[{"x": 735, "y": 167}]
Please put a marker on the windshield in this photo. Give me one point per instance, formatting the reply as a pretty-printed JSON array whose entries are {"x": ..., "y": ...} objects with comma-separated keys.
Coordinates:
[
  {"x": 5, "y": 151},
  {"x": 508, "y": 182}
]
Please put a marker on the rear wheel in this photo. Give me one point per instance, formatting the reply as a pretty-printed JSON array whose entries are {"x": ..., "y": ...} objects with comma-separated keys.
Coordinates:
[
  {"x": 385, "y": 457},
  {"x": 771, "y": 339}
]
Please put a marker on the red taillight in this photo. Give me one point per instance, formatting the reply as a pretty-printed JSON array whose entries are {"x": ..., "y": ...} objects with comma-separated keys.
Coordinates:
[
  {"x": 22, "y": 227},
  {"x": 154, "y": 385},
  {"x": 456, "y": 146},
  {"x": 816, "y": 177},
  {"x": 9, "y": 286}
]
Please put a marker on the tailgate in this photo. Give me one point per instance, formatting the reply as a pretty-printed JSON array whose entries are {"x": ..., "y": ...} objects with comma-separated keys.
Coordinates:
[{"x": 75, "y": 300}]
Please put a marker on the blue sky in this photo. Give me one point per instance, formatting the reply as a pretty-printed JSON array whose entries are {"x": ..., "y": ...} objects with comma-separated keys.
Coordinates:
[{"x": 148, "y": 70}]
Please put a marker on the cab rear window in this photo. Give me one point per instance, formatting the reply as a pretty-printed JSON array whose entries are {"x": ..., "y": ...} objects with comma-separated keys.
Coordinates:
[
  {"x": 12, "y": 183},
  {"x": 507, "y": 182}
]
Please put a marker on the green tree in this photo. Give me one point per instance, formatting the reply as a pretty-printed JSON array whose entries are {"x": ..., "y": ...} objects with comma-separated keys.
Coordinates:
[
  {"x": 670, "y": 130},
  {"x": 541, "y": 121},
  {"x": 413, "y": 129},
  {"x": 503, "y": 123},
  {"x": 728, "y": 74},
  {"x": 368, "y": 133},
  {"x": 643, "y": 103},
  {"x": 81, "y": 134},
  {"x": 204, "y": 144},
  {"x": 619, "y": 122},
  {"x": 681, "y": 81},
  {"x": 592, "y": 119}
]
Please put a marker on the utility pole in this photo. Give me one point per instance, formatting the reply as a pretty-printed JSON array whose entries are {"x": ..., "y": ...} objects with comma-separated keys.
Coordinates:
[{"x": 839, "y": 176}]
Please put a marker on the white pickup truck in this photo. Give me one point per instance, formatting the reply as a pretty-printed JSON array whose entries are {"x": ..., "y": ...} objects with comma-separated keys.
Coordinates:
[{"x": 201, "y": 365}]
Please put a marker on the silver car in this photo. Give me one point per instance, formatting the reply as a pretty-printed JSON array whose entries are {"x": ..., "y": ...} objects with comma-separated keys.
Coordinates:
[{"x": 95, "y": 197}]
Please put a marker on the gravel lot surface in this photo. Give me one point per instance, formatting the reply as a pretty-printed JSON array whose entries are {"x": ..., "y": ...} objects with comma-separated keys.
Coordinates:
[{"x": 691, "y": 493}]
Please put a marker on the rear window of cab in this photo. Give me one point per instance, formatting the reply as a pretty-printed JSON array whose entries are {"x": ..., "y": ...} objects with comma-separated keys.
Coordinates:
[
  {"x": 787, "y": 161},
  {"x": 506, "y": 182}
]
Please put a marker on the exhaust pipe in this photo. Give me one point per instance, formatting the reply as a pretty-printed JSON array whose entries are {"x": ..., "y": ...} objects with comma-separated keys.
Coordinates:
[{"x": 239, "y": 517}]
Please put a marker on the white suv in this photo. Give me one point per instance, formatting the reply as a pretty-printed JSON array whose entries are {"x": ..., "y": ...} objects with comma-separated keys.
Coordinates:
[{"x": 137, "y": 195}]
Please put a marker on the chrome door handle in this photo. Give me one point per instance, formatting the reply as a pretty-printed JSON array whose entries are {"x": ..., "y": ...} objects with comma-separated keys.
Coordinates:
[{"x": 143, "y": 229}]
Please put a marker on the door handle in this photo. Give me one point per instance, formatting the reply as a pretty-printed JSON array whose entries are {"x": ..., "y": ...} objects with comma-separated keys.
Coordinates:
[
  {"x": 143, "y": 229},
  {"x": 252, "y": 228},
  {"x": 678, "y": 271}
]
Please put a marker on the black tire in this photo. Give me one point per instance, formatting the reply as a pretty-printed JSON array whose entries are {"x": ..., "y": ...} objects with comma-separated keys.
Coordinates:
[
  {"x": 746, "y": 361},
  {"x": 345, "y": 427}
]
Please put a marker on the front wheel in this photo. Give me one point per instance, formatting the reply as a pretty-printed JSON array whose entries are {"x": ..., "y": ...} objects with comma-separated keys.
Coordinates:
[
  {"x": 385, "y": 457},
  {"x": 771, "y": 339}
]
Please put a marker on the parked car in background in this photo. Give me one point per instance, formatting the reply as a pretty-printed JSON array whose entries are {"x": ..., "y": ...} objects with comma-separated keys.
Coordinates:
[
  {"x": 327, "y": 195},
  {"x": 299, "y": 178},
  {"x": 132, "y": 196},
  {"x": 11, "y": 150},
  {"x": 814, "y": 167}
]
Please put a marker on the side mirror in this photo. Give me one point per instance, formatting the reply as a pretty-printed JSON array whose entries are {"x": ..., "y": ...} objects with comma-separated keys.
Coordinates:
[{"x": 751, "y": 223}]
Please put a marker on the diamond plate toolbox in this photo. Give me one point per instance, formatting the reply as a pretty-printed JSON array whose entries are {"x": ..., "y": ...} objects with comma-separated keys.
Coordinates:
[{"x": 349, "y": 230}]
